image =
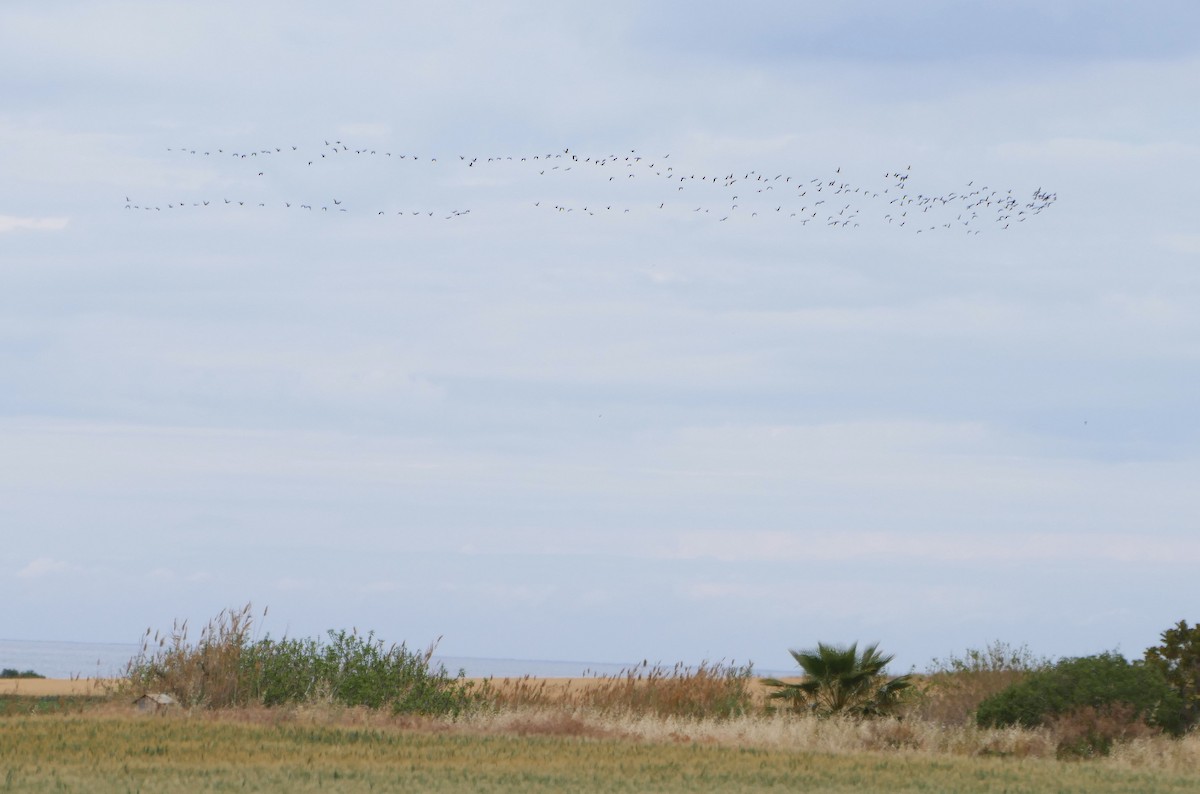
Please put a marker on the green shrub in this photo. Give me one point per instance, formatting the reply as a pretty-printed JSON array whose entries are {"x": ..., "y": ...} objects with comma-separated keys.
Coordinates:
[
  {"x": 353, "y": 670},
  {"x": 1119, "y": 693},
  {"x": 228, "y": 668}
]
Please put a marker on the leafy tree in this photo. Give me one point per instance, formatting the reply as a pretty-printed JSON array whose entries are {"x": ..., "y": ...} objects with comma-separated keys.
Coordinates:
[
  {"x": 1178, "y": 661},
  {"x": 838, "y": 679}
]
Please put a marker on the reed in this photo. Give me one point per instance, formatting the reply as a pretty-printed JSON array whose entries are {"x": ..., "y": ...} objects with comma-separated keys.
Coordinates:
[{"x": 708, "y": 690}]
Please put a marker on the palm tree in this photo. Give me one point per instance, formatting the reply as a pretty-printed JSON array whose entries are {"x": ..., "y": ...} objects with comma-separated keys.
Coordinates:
[{"x": 840, "y": 680}]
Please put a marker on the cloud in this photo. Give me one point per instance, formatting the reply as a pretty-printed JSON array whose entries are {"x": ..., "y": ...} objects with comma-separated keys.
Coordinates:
[
  {"x": 503, "y": 593},
  {"x": 170, "y": 575},
  {"x": 45, "y": 566},
  {"x": 365, "y": 130},
  {"x": 1094, "y": 150},
  {"x": 11, "y": 223},
  {"x": 936, "y": 547},
  {"x": 1180, "y": 243}
]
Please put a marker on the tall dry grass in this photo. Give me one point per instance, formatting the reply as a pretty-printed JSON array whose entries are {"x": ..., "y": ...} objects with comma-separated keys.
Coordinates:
[
  {"x": 207, "y": 672},
  {"x": 838, "y": 735},
  {"x": 708, "y": 690}
]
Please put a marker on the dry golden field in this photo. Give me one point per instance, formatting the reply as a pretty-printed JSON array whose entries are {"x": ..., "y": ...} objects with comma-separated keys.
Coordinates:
[{"x": 100, "y": 744}]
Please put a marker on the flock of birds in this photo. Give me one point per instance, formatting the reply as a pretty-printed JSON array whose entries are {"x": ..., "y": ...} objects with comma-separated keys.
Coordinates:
[{"x": 616, "y": 184}]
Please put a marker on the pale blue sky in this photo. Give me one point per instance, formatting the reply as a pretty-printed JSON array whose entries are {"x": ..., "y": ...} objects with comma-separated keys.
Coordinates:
[{"x": 550, "y": 435}]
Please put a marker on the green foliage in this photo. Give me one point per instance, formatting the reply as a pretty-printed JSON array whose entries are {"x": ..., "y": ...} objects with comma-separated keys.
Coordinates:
[
  {"x": 840, "y": 680},
  {"x": 1105, "y": 683},
  {"x": 1178, "y": 661},
  {"x": 353, "y": 670},
  {"x": 12, "y": 672},
  {"x": 226, "y": 667}
]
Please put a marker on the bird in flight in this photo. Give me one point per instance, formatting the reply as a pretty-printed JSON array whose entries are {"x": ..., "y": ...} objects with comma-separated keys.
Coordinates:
[{"x": 591, "y": 184}]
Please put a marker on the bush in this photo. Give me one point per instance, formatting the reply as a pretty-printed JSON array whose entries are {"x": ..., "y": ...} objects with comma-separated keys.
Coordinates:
[
  {"x": 955, "y": 686},
  {"x": 1121, "y": 695},
  {"x": 1089, "y": 731},
  {"x": 353, "y": 670},
  {"x": 227, "y": 668}
]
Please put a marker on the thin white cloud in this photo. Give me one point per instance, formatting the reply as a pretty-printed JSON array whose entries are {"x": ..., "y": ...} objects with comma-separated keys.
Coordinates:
[
  {"x": 45, "y": 566},
  {"x": 170, "y": 575},
  {"x": 1180, "y": 243},
  {"x": 1098, "y": 150},
  {"x": 12, "y": 223},
  {"x": 365, "y": 130},
  {"x": 936, "y": 547},
  {"x": 382, "y": 587},
  {"x": 504, "y": 593}
]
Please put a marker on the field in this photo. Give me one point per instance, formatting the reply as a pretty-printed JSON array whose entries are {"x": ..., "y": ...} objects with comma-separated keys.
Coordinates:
[
  {"x": 98, "y": 744},
  {"x": 352, "y": 714}
]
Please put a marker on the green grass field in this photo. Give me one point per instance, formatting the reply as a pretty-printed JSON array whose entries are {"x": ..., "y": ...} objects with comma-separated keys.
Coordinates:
[{"x": 103, "y": 751}]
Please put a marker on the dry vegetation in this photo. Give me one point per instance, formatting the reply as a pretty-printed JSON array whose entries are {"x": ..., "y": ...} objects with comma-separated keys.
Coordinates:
[
  {"x": 709, "y": 690},
  {"x": 709, "y": 727},
  {"x": 636, "y": 732},
  {"x": 356, "y": 749}
]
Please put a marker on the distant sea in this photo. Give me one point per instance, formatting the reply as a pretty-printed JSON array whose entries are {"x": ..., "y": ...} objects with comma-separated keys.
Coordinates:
[
  {"x": 67, "y": 659},
  {"x": 106, "y": 659}
]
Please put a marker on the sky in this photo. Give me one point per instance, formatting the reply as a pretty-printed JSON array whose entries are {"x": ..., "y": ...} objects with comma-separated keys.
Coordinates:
[{"x": 566, "y": 434}]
